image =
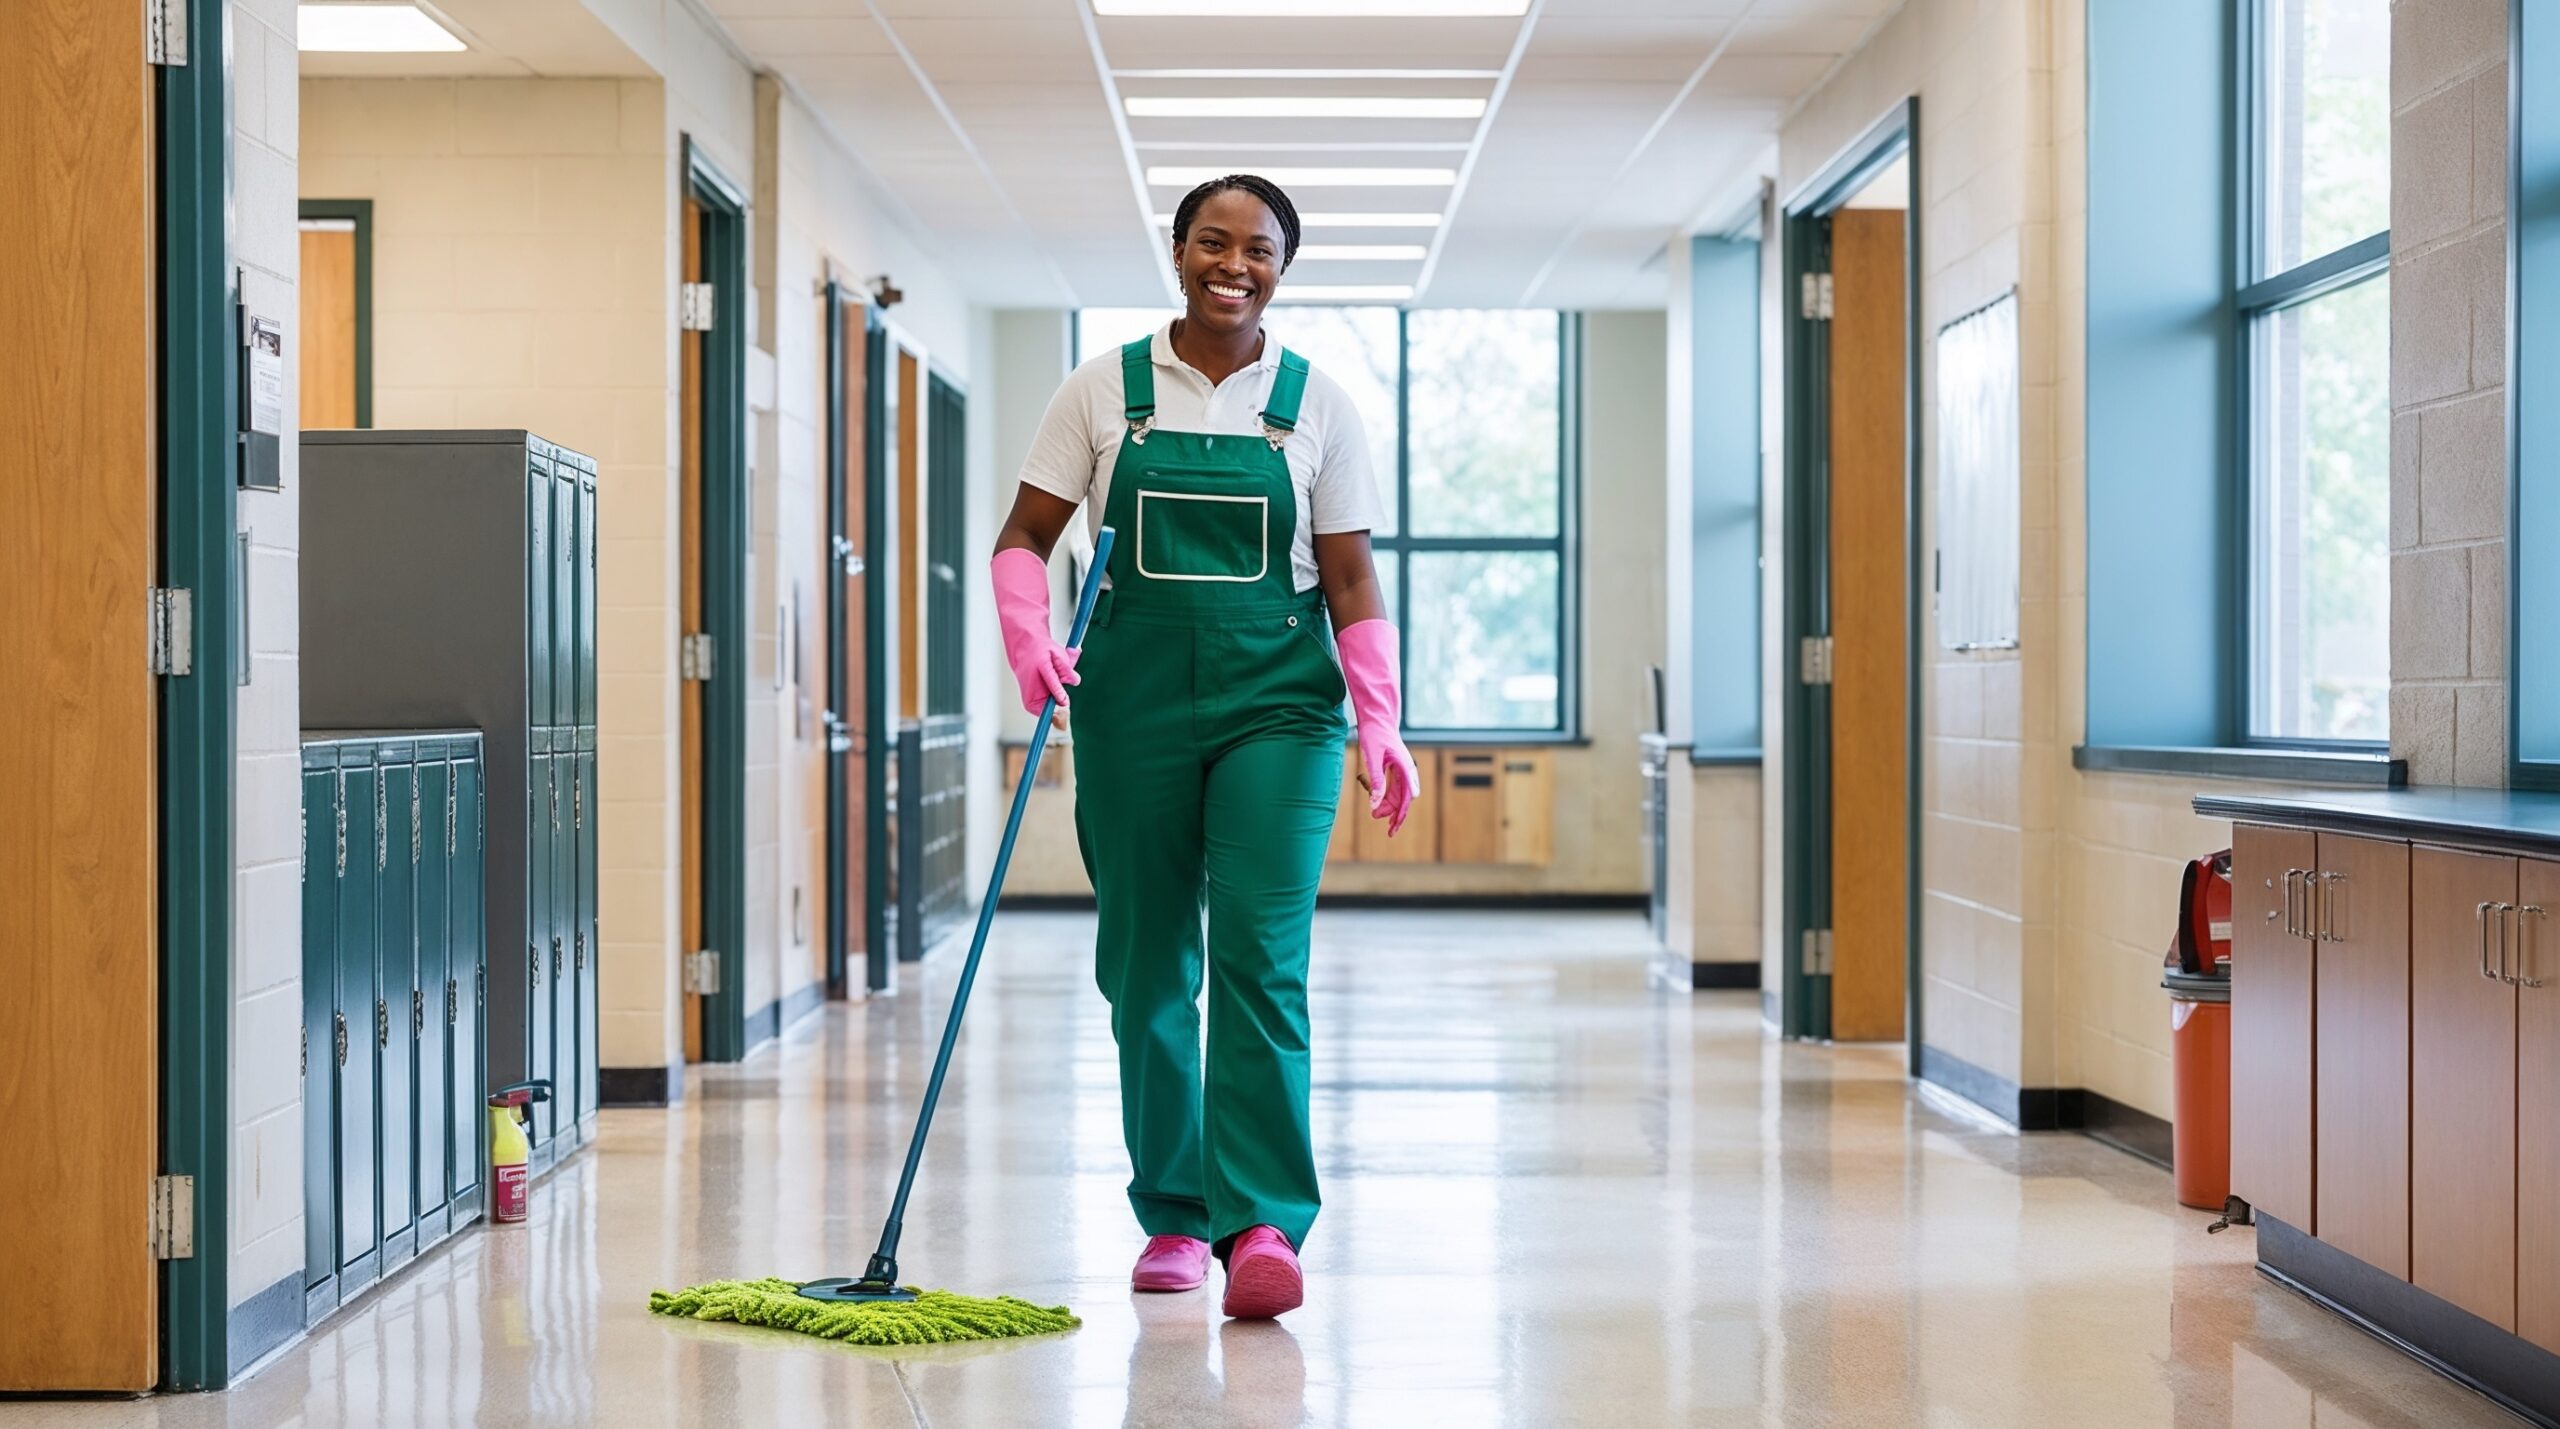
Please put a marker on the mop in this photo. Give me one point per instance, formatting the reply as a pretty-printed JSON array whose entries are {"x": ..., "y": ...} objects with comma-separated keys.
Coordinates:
[{"x": 875, "y": 1309}]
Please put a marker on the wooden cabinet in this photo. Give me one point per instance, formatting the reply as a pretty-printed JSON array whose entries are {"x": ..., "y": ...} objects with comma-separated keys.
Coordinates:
[
  {"x": 2534, "y": 959},
  {"x": 2360, "y": 1020},
  {"x": 2462, "y": 1083},
  {"x": 2271, "y": 1007},
  {"x": 1418, "y": 842}
]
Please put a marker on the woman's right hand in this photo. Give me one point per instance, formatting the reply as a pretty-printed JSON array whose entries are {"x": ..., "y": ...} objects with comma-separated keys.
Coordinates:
[{"x": 1041, "y": 666}]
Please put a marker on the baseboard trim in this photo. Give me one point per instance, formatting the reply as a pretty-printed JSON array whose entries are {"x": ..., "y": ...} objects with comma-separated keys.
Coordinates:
[
  {"x": 2128, "y": 1129},
  {"x": 800, "y": 1004},
  {"x": 1991, "y": 1092},
  {"x": 640, "y": 1086},
  {"x": 265, "y": 1322},
  {"x": 1522, "y": 903},
  {"x": 1724, "y": 977},
  {"x": 2521, "y": 1376},
  {"x": 764, "y": 1024}
]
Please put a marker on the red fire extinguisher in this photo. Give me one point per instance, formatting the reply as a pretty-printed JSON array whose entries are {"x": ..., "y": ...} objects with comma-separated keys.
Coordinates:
[{"x": 511, "y": 1148}]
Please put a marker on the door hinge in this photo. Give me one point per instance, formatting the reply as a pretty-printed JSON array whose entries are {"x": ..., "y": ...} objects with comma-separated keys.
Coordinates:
[
  {"x": 1817, "y": 952},
  {"x": 694, "y": 657},
  {"x": 164, "y": 32},
  {"x": 1817, "y": 660},
  {"x": 1817, "y": 297},
  {"x": 452, "y": 1000},
  {"x": 694, "y": 307},
  {"x": 173, "y": 631},
  {"x": 173, "y": 1217},
  {"x": 702, "y": 972}
]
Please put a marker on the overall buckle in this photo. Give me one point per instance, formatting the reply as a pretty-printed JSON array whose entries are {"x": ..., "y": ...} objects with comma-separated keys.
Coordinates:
[
  {"x": 1275, "y": 435},
  {"x": 1139, "y": 427}
]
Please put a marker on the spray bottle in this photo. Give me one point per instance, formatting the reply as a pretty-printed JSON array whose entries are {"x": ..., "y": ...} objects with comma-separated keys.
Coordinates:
[{"x": 511, "y": 1148}]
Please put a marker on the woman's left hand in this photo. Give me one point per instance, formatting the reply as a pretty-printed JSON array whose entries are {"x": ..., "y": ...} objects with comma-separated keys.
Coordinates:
[{"x": 1388, "y": 773}]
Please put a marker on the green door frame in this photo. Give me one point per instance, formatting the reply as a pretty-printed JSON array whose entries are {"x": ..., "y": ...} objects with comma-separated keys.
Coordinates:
[
  {"x": 724, "y": 599},
  {"x": 358, "y": 211},
  {"x": 1805, "y": 771},
  {"x": 199, "y": 399}
]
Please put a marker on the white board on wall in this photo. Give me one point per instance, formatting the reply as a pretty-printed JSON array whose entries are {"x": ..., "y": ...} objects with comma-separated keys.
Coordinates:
[{"x": 1977, "y": 577}]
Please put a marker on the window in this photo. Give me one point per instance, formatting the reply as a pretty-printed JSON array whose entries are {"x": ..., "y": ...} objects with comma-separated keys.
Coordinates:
[
  {"x": 1467, "y": 428},
  {"x": 2316, "y": 345}
]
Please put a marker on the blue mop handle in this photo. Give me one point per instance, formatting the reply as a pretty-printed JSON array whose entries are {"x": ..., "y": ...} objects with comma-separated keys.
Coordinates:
[{"x": 987, "y": 908}]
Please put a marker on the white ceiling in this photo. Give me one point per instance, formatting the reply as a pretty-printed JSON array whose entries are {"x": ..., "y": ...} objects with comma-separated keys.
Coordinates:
[
  {"x": 999, "y": 124},
  {"x": 1610, "y": 123}
]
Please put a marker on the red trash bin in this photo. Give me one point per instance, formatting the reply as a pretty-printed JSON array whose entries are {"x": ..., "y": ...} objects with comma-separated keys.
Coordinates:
[
  {"x": 2197, "y": 974},
  {"x": 2200, "y": 1076}
]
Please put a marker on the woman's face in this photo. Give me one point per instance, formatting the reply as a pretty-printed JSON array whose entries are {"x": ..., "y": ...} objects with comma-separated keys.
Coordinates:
[{"x": 1230, "y": 262}]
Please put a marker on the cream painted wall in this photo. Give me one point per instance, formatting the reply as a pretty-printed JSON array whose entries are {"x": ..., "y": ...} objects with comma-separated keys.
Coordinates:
[
  {"x": 1597, "y": 799},
  {"x": 266, "y": 916},
  {"x": 526, "y": 254}
]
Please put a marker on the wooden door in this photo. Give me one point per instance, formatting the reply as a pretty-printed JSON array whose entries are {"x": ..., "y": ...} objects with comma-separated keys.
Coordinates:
[
  {"x": 908, "y": 608},
  {"x": 2462, "y": 1085},
  {"x": 2272, "y": 985},
  {"x": 79, "y": 1027},
  {"x": 2534, "y": 955},
  {"x": 1870, "y": 678},
  {"x": 2360, "y": 1017},
  {"x": 327, "y": 295},
  {"x": 849, "y": 649},
  {"x": 690, "y": 693}
]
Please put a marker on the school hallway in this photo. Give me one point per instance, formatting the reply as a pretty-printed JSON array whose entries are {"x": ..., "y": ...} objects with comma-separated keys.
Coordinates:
[{"x": 1555, "y": 1194}]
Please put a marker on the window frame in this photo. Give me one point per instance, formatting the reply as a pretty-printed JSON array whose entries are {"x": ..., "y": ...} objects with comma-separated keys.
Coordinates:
[
  {"x": 1565, "y": 544},
  {"x": 2256, "y": 300}
]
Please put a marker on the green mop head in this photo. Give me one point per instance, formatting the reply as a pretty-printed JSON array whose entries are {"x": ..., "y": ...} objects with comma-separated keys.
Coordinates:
[{"x": 934, "y": 1317}]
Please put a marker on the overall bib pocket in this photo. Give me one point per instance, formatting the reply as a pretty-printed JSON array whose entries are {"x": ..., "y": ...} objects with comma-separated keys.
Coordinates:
[{"x": 1203, "y": 535}]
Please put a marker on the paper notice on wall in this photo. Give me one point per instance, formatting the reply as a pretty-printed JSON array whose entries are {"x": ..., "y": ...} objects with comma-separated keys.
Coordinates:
[{"x": 266, "y": 377}]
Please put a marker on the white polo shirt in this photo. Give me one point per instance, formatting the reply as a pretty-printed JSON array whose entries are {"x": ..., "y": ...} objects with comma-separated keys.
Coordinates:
[{"x": 1079, "y": 442}]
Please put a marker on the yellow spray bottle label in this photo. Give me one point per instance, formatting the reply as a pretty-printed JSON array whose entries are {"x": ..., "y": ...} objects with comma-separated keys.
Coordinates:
[{"x": 511, "y": 1150}]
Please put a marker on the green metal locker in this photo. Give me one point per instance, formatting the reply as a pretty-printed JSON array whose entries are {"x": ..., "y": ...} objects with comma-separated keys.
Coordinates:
[
  {"x": 580, "y": 1093},
  {"x": 540, "y": 932},
  {"x": 466, "y": 990},
  {"x": 589, "y": 951},
  {"x": 435, "y": 938},
  {"x": 319, "y": 1007},
  {"x": 359, "y": 823},
  {"x": 396, "y": 1077},
  {"x": 480, "y": 615}
]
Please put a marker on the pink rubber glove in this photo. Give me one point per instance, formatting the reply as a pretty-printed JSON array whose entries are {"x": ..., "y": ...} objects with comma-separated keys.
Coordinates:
[
  {"x": 1377, "y": 708},
  {"x": 1042, "y": 666}
]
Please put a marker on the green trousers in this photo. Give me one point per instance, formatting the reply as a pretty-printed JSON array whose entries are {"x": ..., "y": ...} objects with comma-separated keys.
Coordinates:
[{"x": 1208, "y": 749}]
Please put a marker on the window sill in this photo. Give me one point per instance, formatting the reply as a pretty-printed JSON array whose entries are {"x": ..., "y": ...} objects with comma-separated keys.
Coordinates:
[
  {"x": 2293, "y": 766},
  {"x": 1416, "y": 739}
]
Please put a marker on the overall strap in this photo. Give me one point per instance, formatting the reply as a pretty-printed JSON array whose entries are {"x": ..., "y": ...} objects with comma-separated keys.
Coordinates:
[
  {"x": 1287, "y": 386},
  {"x": 1138, "y": 386}
]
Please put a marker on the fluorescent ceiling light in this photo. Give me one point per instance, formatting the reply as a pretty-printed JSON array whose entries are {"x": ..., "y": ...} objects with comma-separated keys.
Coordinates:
[
  {"x": 1348, "y": 220},
  {"x": 1307, "y": 73},
  {"x": 1343, "y": 293},
  {"x": 1180, "y": 176},
  {"x": 1363, "y": 252},
  {"x": 373, "y": 29},
  {"x": 1310, "y": 106},
  {"x": 1316, "y": 9}
]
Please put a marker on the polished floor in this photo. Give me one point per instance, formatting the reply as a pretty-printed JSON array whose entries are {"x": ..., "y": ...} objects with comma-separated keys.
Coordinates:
[{"x": 1556, "y": 1195}]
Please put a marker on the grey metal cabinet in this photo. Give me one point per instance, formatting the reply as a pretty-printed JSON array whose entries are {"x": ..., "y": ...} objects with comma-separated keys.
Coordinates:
[
  {"x": 449, "y": 579},
  {"x": 392, "y": 1002}
]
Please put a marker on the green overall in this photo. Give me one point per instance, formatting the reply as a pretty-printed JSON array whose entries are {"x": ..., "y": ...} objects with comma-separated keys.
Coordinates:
[{"x": 1208, "y": 747}]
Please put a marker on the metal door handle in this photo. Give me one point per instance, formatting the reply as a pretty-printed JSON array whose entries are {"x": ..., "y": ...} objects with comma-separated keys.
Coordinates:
[
  {"x": 2327, "y": 916},
  {"x": 2292, "y": 919},
  {"x": 2518, "y": 978},
  {"x": 2482, "y": 913}
]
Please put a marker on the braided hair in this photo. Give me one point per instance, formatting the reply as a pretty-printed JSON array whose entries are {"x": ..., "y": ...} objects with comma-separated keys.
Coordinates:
[{"x": 1254, "y": 184}]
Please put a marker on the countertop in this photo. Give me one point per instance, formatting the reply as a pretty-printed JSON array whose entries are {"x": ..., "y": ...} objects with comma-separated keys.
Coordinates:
[{"x": 2499, "y": 820}]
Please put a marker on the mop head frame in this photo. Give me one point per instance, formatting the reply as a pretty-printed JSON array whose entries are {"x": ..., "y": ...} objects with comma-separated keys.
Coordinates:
[{"x": 917, "y": 1317}]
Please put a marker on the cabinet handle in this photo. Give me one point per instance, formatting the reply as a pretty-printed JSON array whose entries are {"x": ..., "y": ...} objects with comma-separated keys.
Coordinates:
[
  {"x": 2482, "y": 913},
  {"x": 2294, "y": 915},
  {"x": 2518, "y": 978},
  {"x": 2331, "y": 885}
]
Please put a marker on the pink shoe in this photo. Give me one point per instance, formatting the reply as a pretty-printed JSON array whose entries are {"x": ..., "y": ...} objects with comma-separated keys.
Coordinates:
[
  {"x": 1171, "y": 1262},
  {"x": 1262, "y": 1276}
]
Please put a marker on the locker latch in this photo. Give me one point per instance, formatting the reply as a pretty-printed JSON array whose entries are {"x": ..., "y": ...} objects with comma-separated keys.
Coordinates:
[
  {"x": 381, "y": 1023},
  {"x": 559, "y": 964},
  {"x": 452, "y": 1001},
  {"x": 417, "y": 1013},
  {"x": 340, "y": 1019},
  {"x": 306, "y": 1052},
  {"x": 578, "y": 946},
  {"x": 533, "y": 963},
  {"x": 417, "y": 844}
]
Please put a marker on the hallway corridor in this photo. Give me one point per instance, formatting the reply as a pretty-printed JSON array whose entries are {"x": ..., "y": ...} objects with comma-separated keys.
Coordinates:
[{"x": 1554, "y": 1195}]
